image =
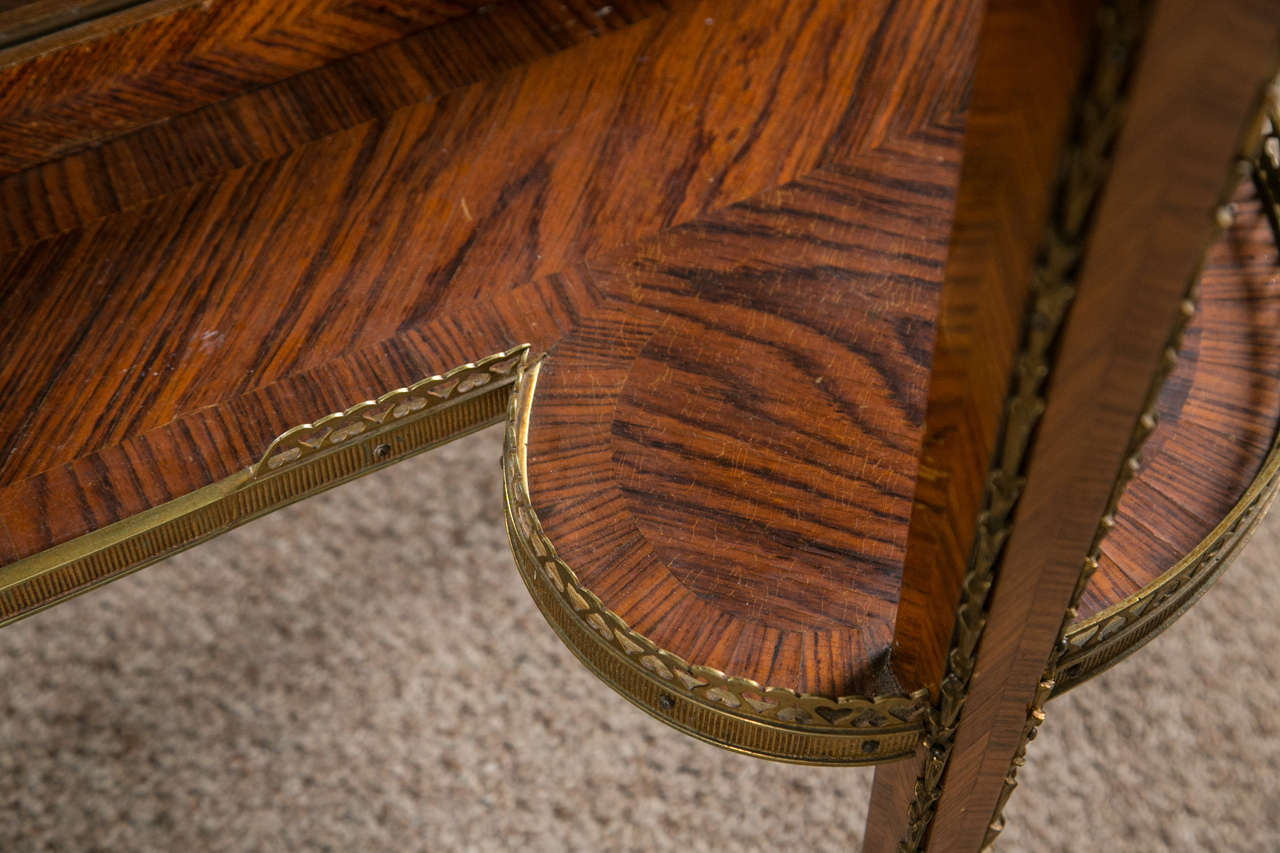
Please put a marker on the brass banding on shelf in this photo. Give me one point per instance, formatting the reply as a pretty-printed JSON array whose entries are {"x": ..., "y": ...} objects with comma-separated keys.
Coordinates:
[
  {"x": 735, "y": 713},
  {"x": 1106, "y": 638},
  {"x": 303, "y": 461}
]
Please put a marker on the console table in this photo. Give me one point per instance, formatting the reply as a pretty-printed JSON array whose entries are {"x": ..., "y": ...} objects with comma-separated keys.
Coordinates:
[{"x": 871, "y": 373}]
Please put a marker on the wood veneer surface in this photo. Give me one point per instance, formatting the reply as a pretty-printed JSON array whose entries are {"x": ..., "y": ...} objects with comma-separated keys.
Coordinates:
[
  {"x": 1027, "y": 69},
  {"x": 167, "y": 57},
  {"x": 726, "y": 225},
  {"x": 22, "y": 21},
  {"x": 292, "y": 279},
  {"x": 732, "y": 473},
  {"x": 1218, "y": 414}
]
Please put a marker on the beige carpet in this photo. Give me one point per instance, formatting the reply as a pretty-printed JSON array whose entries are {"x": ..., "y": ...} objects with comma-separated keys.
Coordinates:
[{"x": 364, "y": 671}]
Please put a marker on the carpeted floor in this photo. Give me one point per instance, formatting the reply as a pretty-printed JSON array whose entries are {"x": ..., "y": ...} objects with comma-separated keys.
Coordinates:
[{"x": 365, "y": 672}]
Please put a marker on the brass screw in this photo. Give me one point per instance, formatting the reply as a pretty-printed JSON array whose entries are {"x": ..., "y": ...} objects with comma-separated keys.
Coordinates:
[
  {"x": 666, "y": 701},
  {"x": 382, "y": 451}
]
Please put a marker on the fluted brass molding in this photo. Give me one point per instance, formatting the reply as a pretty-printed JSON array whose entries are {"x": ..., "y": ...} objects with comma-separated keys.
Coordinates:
[
  {"x": 1125, "y": 629},
  {"x": 303, "y": 461},
  {"x": 1085, "y": 165},
  {"x": 736, "y": 713}
]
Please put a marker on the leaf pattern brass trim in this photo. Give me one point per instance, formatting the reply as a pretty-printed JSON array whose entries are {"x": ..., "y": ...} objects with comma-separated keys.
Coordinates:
[
  {"x": 732, "y": 712},
  {"x": 1123, "y": 631},
  {"x": 1084, "y": 167},
  {"x": 306, "y": 440},
  {"x": 303, "y": 461}
]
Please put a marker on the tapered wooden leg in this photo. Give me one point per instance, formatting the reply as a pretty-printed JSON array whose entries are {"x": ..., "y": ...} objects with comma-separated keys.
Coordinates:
[
  {"x": 1020, "y": 488},
  {"x": 891, "y": 797}
]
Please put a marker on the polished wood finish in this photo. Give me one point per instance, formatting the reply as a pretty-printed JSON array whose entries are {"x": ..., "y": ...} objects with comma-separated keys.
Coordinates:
[
  {"x": 1230, "y": 355},
  {"x": 727, "y": 228},
  {"x": 884, "y": 199},
  {"x": 696, "y": 490},
  {"x": 23, "y": 21},
  {"x": 1184, "y": 127},
  {"x": 196, "y": 148},
  {"x": 204, "y": 400},
  {"x": 1217, "y": 414},
  {"x": 682, "y": 457},
  {"x": 1014, "y": 118},
  {"x": 182, "y": 427},
  {"x": 81, "y": 85},
  {"x": 193, "y": 407}
]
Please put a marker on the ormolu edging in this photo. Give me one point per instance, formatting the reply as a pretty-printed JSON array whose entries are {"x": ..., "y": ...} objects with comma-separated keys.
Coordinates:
[
  {"x": 303, "y": 461},
  {"x": 1097, "y": 643},
  {"x": 732, "y": 712},
  {"x": 765, "y": 721},
  {"x": 1094, "y": 644}
]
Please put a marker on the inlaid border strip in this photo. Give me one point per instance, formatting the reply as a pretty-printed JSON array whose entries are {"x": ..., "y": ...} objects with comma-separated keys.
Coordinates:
[
  {"x": 303, "y": 461},
  {"x": 731, "y": 712},
  {"x": 1128, "y": 633},
  {"x": 1084, "y": 166}
]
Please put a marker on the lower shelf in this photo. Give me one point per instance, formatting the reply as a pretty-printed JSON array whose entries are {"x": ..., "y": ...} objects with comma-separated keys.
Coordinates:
[{"x": 1212, "y": 471}]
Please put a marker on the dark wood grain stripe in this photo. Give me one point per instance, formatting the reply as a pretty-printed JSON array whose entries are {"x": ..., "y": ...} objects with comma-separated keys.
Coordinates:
[
  {"x": 267, "y": 123},
  {"x": 115, "y": 79}
]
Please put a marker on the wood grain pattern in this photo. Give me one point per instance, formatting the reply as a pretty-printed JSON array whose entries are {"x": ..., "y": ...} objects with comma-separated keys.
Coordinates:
[
  {"x": 1218, "y": 414},
  {"x": 647, "y": 498},
  {"x": 1000, "y": 217},
  {"x": 195, "y": 148},
  {"x": 155, "y": 61},
  {"x": 494, "y": 200},
  {"x": 261, "y": 279},
  {"x": 25, "y": 20},
  {"x": 683, "y": 456},
  {"x": 1185, "y": 123},
  {"x": 727, "y": 226},
  {"x": 1014, "y": 118},
  {"x": 471, "y": 155}
]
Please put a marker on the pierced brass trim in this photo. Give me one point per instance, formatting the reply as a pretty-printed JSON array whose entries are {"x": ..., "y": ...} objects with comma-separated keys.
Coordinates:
[
  {"x": 1106, "y": 638},
  {"x": 1092, "y": 645},
  {"x": 303, "y": 461},
  {"x": 1085, "y": 164},
  {"x": 1109, "y": 637},
  {"x": 735, "y": 713},
  {"x": 395, "y": 407}
]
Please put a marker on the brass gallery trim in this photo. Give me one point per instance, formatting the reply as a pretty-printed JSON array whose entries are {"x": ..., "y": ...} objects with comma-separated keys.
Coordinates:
[
  {"x": 1105, "y": 639},
  {"x": 1227, "y": 536},
  {"x": 303, "y": 461},
  {"x": 731, "y": 712},
  {"x": 1084, "y": 166}
]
